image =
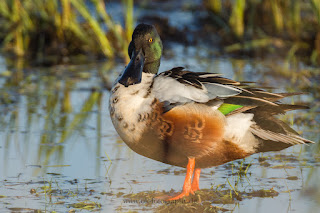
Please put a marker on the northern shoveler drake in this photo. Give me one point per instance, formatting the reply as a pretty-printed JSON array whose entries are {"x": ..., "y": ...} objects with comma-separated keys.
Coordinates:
[{"x": 193, "y": 119}]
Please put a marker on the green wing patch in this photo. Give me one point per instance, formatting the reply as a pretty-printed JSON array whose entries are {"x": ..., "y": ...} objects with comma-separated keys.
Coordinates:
[{"x": 227, "y": 108}]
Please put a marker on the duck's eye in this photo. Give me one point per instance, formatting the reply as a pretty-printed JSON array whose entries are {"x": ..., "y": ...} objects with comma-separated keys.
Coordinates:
[{"x": 150, "y": 40}]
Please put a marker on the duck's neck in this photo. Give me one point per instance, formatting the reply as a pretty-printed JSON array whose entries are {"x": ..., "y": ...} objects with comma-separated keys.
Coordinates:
[{"x": 152, "y": 67}]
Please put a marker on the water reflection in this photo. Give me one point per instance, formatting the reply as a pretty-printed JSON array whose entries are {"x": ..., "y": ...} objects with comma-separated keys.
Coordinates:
[
  {"x": 49, "y": 113},
  {"x": 54, "y": 125}
]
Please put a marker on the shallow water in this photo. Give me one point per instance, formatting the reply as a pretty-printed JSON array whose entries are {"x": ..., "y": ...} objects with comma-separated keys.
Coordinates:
[{"x": 59, "y": 150}]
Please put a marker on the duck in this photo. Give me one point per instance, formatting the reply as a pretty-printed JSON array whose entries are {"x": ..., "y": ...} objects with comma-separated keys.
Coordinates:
[{"x": 193, "y": 120}]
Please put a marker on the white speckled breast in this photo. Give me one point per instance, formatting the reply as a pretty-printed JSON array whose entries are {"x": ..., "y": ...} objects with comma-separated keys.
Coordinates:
[{"x": 128, "y": 105}]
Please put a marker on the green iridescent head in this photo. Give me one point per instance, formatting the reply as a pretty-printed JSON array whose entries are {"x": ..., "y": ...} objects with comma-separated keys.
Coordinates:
[{"x": 145, "y": 52}]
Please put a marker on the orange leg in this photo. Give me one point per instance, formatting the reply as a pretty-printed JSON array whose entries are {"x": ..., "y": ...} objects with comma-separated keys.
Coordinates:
[
  {"x": 195, "y": 181},
  {"x": 187, "y": 188}
]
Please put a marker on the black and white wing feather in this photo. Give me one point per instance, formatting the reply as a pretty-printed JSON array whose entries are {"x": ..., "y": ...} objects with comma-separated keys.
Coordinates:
[{"x": 180, "y": 86}]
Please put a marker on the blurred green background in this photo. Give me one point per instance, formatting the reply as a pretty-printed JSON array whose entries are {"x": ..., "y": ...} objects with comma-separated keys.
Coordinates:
[{"x": 53, "y": 31}]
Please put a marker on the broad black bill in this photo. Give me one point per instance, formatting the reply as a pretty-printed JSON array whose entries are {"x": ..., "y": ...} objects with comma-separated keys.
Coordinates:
[{"x": 133, "y": 72}]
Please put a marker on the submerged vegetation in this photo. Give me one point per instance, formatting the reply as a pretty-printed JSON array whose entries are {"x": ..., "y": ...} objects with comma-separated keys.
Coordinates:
[
  {"x": 41, "y": 30},
  {"x": 264, "y": 26}
]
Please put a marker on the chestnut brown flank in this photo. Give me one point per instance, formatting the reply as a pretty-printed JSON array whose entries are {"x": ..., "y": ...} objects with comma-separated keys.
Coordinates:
[
  {"x": 190, "y": 130},
  {"x": 195, "y": 130},
  {"x": 225, "y": 152}
]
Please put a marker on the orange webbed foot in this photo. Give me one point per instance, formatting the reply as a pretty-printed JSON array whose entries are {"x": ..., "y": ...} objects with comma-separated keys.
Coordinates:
[
  {"x": 189, "y": 188},
  {"x": 181, "y": 195}
]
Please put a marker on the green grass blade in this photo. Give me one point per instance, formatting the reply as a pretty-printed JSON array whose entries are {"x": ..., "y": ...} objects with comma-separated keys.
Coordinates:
[
  {"x": 99, "y": 33},
  {"x": 128, "y": 5},
  {"x": 316, "y": 8},
  {"x": 236, "y": 20},
  {"x": 277, "y": 15},
  {"x": 4, "y": 9}
]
